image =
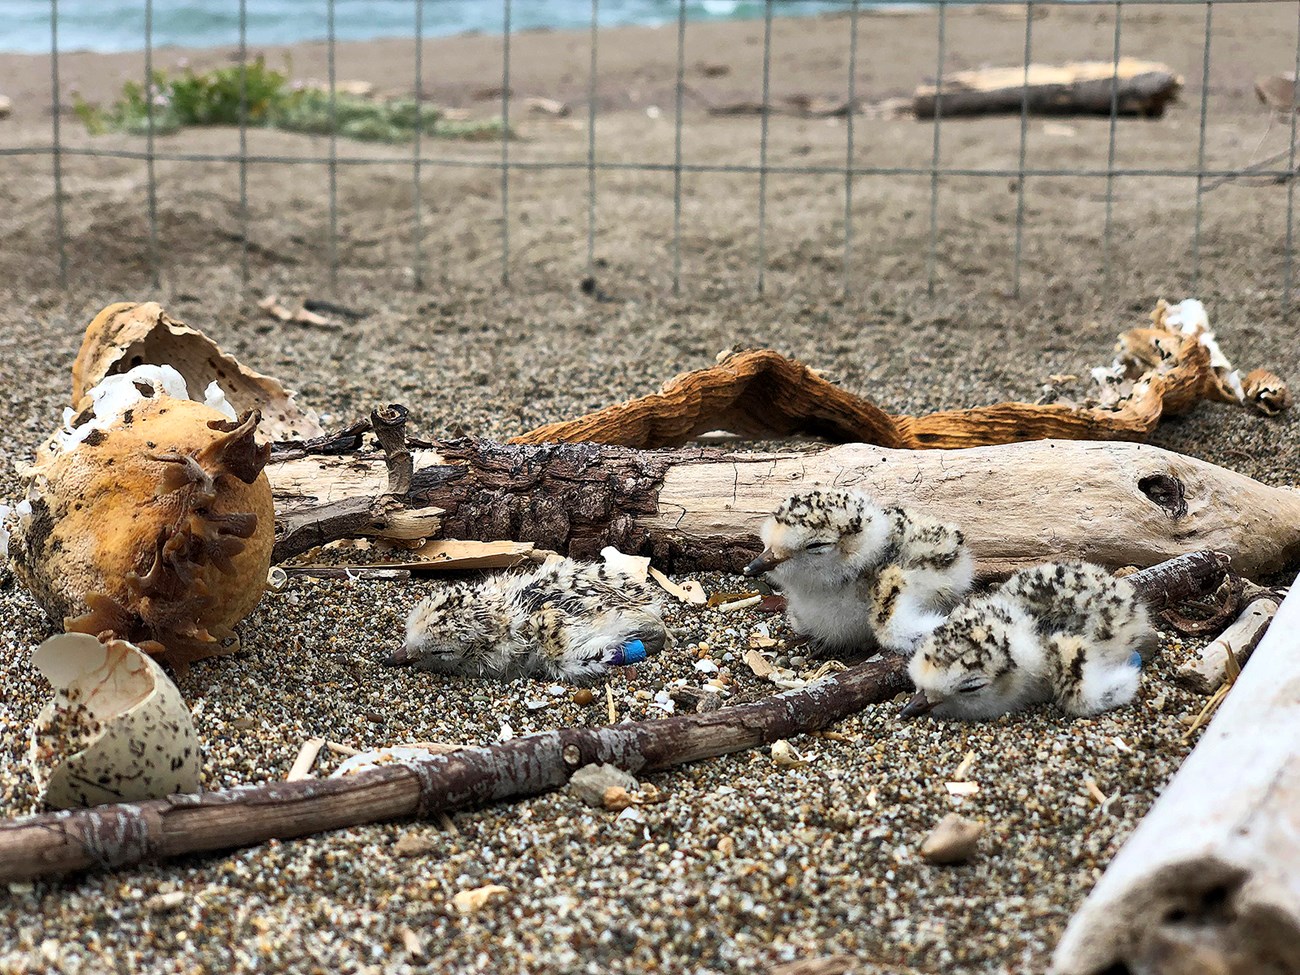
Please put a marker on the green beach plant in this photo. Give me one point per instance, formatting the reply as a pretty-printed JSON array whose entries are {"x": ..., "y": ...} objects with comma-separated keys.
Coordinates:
[{"x": 214, "y": 97}]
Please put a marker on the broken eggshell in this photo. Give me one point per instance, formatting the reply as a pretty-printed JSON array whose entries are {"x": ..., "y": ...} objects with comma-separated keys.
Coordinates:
[
  {"x": 117, "y": 729},
  {"x": 148, "y": 518},
  {"x": 126, "y": 335}
]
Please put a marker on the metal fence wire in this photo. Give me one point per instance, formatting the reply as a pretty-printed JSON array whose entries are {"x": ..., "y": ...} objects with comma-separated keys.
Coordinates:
[{"x": 425, "y": 160}]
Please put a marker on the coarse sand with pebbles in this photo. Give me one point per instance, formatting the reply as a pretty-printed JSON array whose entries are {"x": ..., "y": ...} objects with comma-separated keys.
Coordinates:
[{"x": 745, "y": 864}]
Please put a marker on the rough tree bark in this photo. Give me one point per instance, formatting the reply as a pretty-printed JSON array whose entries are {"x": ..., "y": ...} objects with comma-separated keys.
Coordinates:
[
  {"x": 125, "y": 834},
  {"x": 1115, "y": 504},
  {"x": 1210, "y": 879}
]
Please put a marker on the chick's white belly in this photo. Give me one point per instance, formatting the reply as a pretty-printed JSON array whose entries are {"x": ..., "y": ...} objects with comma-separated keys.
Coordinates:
[{"x": 835, "y": 618}]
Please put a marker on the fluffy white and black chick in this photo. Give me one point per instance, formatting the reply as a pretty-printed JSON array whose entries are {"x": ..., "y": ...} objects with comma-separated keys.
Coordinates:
[
  {"x": 565, "y": 621},
  {"x": 860, "y": 577},
  {"x": 1065, "y": 632}
]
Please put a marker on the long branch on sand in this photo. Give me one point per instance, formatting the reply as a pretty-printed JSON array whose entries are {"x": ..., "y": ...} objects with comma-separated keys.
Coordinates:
[{"x": 125, "y": 834}]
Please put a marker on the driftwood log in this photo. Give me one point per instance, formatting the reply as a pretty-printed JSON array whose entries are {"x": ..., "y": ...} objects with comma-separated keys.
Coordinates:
[
  {"x": 126, "y": 834},
  {"x": 1238, "y": 641},
  {"x": 1210, "y": 879},
  {"x": 1079, "y": 88},
  {"x": 1116, "y": 504}
]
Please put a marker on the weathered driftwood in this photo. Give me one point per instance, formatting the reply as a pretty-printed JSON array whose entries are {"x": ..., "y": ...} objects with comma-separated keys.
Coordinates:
[
  {"x": 1115, "y": 504},
  {"x": 1239, "y": 640},
  {"x": 1210, "y": 879},
  {"x": 129, "y": 833},
  {"x": 1079, "y": 88},
  {"x": 761, "y": 393},
  {"x": 125, "y": 834}
]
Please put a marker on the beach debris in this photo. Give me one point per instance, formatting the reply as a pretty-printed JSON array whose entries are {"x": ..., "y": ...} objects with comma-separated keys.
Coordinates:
[
  {"x": 274, "y": 308},
  {"x": 827, "y": 965},
  {"x": 1130, "y": 86},
  {"x": 127, "y": 334},
  {"x": 166, "y": 902},
  {"x": 736, "y": 605},
  {"x": 148, "y": 517},
  {"x": 591, "y": 782},
  {"x": 962, "y": 789},
  {"x": 302, "y": 765},
  {"x": 454, "y": 555},
  {"x": 1208, "y": 672},
  {"x": 129, "y": 834},
  {"x": 954, "y": 840},
  {"x": 474, "y": 900},
  {"x": 785, "y": 755},
  {"x": 1213, "y": 891},
  {"x": 392, "y": 755},
  {"x": 412, "y": 943},
  {"x": 1163, "y": 369},
  {"x": 417, "y": 845},
  {"x": 116, "y": 730},
  {"x": 6, "y": 106},
  {"x": 719, "y": 599},
  {"x": 689, "y": 591},
  {"x": 758, "y": 664},
  {"x": 547, "y": 106},
  {"x": 633, "y": 566},
  {"x": 800, "y": 105},
  {"x": 583, "y": 697},
  {"x": 1265, "y": 392},
  {"x": 1277, "y": 92}
]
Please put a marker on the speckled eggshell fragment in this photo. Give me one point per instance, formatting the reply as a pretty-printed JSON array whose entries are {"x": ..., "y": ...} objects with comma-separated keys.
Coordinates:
[{"x": 117, "y": 729}]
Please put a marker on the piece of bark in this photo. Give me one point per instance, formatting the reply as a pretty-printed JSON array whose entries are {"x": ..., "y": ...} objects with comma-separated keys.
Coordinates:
[
  {"x": 1115, "y": 504},
  {"x": 1210, "y": 670},
  {"x": 1078, "y": 88},
  {"x": 761, "y": 393},
  {"x": 125, "y": 834},
  {"x": 1210, "y": 879}
]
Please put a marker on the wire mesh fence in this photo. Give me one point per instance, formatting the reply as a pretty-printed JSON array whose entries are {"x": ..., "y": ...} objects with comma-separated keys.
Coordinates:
[{"x": 600, "y": 169}]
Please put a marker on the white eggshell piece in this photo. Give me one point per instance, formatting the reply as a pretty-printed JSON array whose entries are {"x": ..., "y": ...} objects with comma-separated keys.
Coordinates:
[{"x": 117, "y": 729}]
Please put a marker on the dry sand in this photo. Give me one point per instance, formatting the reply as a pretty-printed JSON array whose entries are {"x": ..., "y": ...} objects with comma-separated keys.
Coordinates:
[{"x": 822, "y": 860}]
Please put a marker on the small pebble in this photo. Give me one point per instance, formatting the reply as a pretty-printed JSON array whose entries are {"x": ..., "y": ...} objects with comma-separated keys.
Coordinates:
[{"x": 591, "y": 782}]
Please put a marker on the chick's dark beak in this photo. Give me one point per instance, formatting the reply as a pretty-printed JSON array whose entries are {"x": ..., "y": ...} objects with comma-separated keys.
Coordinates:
[
  {"x": 766, "y": 562},
  {"x": 397, "y": 658},
  {"x": 919, "y": 705}
]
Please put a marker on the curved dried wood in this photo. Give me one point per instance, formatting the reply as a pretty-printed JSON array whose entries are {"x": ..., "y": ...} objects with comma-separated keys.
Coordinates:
[
  {"x": 1115, "y": 504},
  {"x": 761, "y": 393}
]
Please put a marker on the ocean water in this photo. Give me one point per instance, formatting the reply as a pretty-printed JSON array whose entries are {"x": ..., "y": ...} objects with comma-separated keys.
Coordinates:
[{"x": 112, "y": 25}]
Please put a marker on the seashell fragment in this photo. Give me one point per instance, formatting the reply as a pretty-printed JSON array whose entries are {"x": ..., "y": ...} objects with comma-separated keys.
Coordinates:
[
  {"x": 148, "y": 518},
  {"x": 117, "y": 729}
]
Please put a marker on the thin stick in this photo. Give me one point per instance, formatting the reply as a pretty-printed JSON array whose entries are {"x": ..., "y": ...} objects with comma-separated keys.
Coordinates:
[{"x": 302, "y": 765}]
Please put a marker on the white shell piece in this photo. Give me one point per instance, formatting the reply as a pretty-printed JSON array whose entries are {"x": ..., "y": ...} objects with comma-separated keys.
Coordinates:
[
  {"x": 379, "y": 757},
  {"x": 117, "y": 729}
]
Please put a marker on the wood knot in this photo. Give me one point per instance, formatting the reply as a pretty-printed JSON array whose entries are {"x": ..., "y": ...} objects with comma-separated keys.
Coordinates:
[
  {"x": 1167, "y": 492},
  {"x": 572, "y": 755}
]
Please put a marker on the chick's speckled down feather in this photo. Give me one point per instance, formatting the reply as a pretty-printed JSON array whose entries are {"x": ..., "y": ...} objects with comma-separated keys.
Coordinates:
[
  {"x": 1064, "y": 632},
  {"x": 859, "y": 577},
  {"x": 564, "y": 621}
]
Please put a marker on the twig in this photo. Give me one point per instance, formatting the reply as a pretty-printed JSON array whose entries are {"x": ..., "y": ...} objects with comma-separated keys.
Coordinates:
[{"x": 301, "y": 768}]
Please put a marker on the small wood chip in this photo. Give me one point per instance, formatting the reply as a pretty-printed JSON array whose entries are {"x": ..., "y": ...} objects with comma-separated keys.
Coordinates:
[
  {"x": 339, "y": 748},
  {"x": 759, "y": 664},
  {"x": 417, "y": 845},
  {"x": 473, "y": 901},
  {"x": 689, "y": 592},
  {"x": 163, "y": 903},
  {"x": 302, "y": 765},
  {"x": 722, "y": 598},
  {"x": 412, "y": 942},
  {"x": 609, "y": 703},
  {"x": 740, "y": 604},
  {"x": 962, "y": 788},
  {"x": 954, "y": 840},
  {"x": 633, "y": 566},
  {"x": 964, "y": 768}
]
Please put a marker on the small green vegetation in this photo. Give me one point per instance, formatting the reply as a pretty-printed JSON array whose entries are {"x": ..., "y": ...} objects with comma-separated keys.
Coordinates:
[{"x": 213, "y": 98}]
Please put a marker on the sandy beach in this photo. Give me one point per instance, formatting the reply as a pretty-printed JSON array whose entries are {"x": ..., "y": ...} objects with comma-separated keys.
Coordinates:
[{"x": 746, "y": 864}]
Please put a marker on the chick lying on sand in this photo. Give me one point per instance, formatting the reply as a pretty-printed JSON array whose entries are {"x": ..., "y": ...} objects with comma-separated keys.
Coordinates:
[
  {"x": 566, "y": 621},
  {"x": 1068, "y": 632}
]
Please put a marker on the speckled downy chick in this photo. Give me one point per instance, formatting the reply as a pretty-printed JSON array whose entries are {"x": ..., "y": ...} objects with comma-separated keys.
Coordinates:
[
  {"x": 1065, "y": 632},
  {"x": 857, "y": 576},
  {"x": 565, "y": 621}
]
